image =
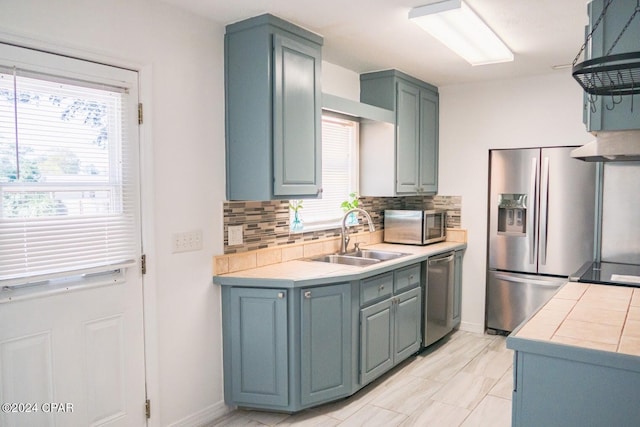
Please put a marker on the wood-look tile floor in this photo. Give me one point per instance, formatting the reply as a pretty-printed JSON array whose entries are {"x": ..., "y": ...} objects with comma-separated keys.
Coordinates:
[{"x": 463, "y": 380}]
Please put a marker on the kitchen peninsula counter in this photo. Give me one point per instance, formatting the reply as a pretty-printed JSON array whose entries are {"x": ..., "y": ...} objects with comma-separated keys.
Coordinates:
[
  {"x": 577, "y": 359},
  {"x": 304, "y": 273}
]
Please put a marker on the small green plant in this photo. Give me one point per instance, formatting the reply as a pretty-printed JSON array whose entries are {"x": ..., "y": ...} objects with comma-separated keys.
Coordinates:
[
  {"x": 352, "y": 203},
  {"x": 295, "y": 205}
]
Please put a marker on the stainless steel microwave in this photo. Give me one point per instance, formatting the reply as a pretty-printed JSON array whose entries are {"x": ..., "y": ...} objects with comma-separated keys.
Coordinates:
[{"x": 415, "y": 227}]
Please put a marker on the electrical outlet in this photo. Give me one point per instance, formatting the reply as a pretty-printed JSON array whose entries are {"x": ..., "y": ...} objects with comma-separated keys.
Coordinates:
[
  {"x": 234, "y": 235},
  {"x": 187, "y": 241}
]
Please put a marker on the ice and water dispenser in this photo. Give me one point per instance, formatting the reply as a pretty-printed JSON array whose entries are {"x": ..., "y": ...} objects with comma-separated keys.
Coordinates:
[{"x": 512, "y": 214}]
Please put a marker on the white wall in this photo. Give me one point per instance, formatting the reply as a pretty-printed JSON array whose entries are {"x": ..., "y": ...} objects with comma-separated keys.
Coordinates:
[
  {"x": 183, "y": 88},
  {"x": 340, "y": 81},
  {"x": 528, "y": 112}
]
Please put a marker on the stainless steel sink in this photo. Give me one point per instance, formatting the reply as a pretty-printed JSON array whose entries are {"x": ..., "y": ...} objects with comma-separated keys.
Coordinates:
[
  {"x": 346, "y": 259},
  {"x": 375, "y": 254},
  {"x": 359, "y": 258}
]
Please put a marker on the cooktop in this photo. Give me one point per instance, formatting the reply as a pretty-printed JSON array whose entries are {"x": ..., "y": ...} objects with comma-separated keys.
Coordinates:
[{"x": 609, "y": 273}]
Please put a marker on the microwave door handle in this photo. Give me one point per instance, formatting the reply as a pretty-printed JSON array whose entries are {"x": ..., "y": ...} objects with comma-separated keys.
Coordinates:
[
  {"x": 531, "y": 205},
  {"x": 544, "y": 210},
  {"x": 425, "y": 229}
]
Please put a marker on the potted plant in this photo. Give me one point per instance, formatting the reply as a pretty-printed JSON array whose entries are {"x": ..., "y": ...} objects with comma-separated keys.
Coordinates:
[{"x": 351, "y": 203}]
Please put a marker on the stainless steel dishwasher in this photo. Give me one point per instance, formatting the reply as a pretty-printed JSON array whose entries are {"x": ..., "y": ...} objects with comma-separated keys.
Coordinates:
[{"x": 438, "y": 303}]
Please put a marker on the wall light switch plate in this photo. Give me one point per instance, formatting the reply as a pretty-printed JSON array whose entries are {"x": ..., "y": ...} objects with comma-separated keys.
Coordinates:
[
  {"x": 234, "y": 235},
  {"x": 187, "y": 241}
]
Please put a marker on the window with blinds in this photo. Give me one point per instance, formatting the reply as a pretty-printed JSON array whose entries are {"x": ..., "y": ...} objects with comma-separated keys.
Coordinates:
[
  {"x": 339, "y": 173},
  {"x": 68, "y": 190}
]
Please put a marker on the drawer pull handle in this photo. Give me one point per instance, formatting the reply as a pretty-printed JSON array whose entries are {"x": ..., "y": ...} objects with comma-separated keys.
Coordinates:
[
  {"x": 280, "y": 295},
  {"x": 307, "y": 294},
  {"x": 381, "y": 287}
]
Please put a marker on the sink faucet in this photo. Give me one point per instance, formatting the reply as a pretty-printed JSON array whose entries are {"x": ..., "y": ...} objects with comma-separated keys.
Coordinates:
[{"x": 344, "y": 235}]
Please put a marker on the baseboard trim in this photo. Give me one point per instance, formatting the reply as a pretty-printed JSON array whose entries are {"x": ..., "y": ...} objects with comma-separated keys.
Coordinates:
[
  {"x": 204, "y": 416},
  {"x": 472, "y": 327}
]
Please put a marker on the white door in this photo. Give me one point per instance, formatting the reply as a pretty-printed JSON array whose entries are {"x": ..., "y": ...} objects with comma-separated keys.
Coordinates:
[{"x": 72, "y": 345}]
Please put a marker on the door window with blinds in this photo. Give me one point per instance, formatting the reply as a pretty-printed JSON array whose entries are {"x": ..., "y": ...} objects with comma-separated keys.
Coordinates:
[
  {"x": 339, "y": 173},
  {"x": 68, "y": 161}
]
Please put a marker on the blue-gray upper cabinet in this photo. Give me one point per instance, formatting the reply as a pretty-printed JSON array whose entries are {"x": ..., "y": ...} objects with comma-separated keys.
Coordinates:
[
  {"x": 273, "y": 106},
  {"x": 409, "y": 165},
  {"x": 606, "y": 112}
]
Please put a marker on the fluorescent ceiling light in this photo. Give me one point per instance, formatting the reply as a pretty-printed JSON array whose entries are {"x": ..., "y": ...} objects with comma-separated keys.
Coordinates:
[{"x": 461, "y": 30}]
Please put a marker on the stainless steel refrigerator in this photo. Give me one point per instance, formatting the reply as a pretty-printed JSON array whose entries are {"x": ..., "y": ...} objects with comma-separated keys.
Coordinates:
[{"x": 541, "y": 228}]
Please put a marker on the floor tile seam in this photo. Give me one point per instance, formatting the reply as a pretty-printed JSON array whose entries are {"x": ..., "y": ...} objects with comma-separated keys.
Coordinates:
[
  {"x": 234, "y": 417},
  {"x": 440, "y": 385},
  {"x": 473, "y": 410},
  {"x": 493, "y": 383},
  {"x": 471, "y": 359},
  {"x": 346, "y": 420},
  {"x": 509, "y": 368},
  {"x": 454, "y": 407}
]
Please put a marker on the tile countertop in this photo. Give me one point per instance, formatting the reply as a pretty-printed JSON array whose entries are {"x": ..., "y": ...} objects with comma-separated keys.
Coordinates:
[
  {"x": 299, "y": 273},
  {"x": 591, "y": 316}
]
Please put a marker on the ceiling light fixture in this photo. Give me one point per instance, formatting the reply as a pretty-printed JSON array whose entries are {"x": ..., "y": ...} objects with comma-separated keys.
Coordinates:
[{"x": 461, "y": 30}]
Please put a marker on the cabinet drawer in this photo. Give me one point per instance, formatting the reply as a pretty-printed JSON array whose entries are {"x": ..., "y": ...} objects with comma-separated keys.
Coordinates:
[
  {"x": 375, "y": 288},
  {"x": 407, "y": 278}
]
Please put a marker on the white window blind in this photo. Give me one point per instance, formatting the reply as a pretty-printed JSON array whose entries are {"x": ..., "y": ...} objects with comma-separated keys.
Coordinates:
[
  {"x": 339, "y": 173},
  {"x": 68, "y": 182}
]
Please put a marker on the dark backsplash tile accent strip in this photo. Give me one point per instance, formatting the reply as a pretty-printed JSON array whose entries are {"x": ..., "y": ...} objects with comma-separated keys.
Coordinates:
[{"x": 266, "y": 223}]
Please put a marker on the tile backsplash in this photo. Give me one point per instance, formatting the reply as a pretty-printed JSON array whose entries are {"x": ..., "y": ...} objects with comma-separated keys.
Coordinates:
[{"x": 266, "y": 223}]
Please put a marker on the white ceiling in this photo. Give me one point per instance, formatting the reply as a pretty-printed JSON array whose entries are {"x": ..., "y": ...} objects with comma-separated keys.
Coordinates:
[{"x": 369, "y": 35}]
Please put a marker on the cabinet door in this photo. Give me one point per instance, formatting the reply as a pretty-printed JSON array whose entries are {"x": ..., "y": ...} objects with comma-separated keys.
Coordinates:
[
  {"x": 259, "y": 357},
  {"x": 296, "y": 115},
  {"x": 428, "y": 182},
  {"x": 407, "y": 138},
  {"x": 457, "y": 288},
  {"x": 376, "y": 340},
  {"x": 407, "y": 336},
  {"x": 325, "y": 343}
]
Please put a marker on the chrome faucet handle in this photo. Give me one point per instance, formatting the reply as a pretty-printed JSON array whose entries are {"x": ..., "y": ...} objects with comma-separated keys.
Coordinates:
[{"x": 356, "y": 246}]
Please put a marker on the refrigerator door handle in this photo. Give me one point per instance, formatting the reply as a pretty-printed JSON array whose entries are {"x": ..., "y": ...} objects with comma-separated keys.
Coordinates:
[
  {"x": 509, "y": 278},
  {"x": 531, "y": 220},
  {"x": 544, "y": 210}
]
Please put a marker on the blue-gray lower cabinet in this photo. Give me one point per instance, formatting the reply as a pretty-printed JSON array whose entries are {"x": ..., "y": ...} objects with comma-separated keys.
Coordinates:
[
  {"x": 390, "y": 329},
  {"x": 558, "y": 385},
  {"x": 258, "y": 346},
  {"x": 376, "y": 340},
  {"x": 287, "y": 349},
  {"x": 325, "y": 343}
]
